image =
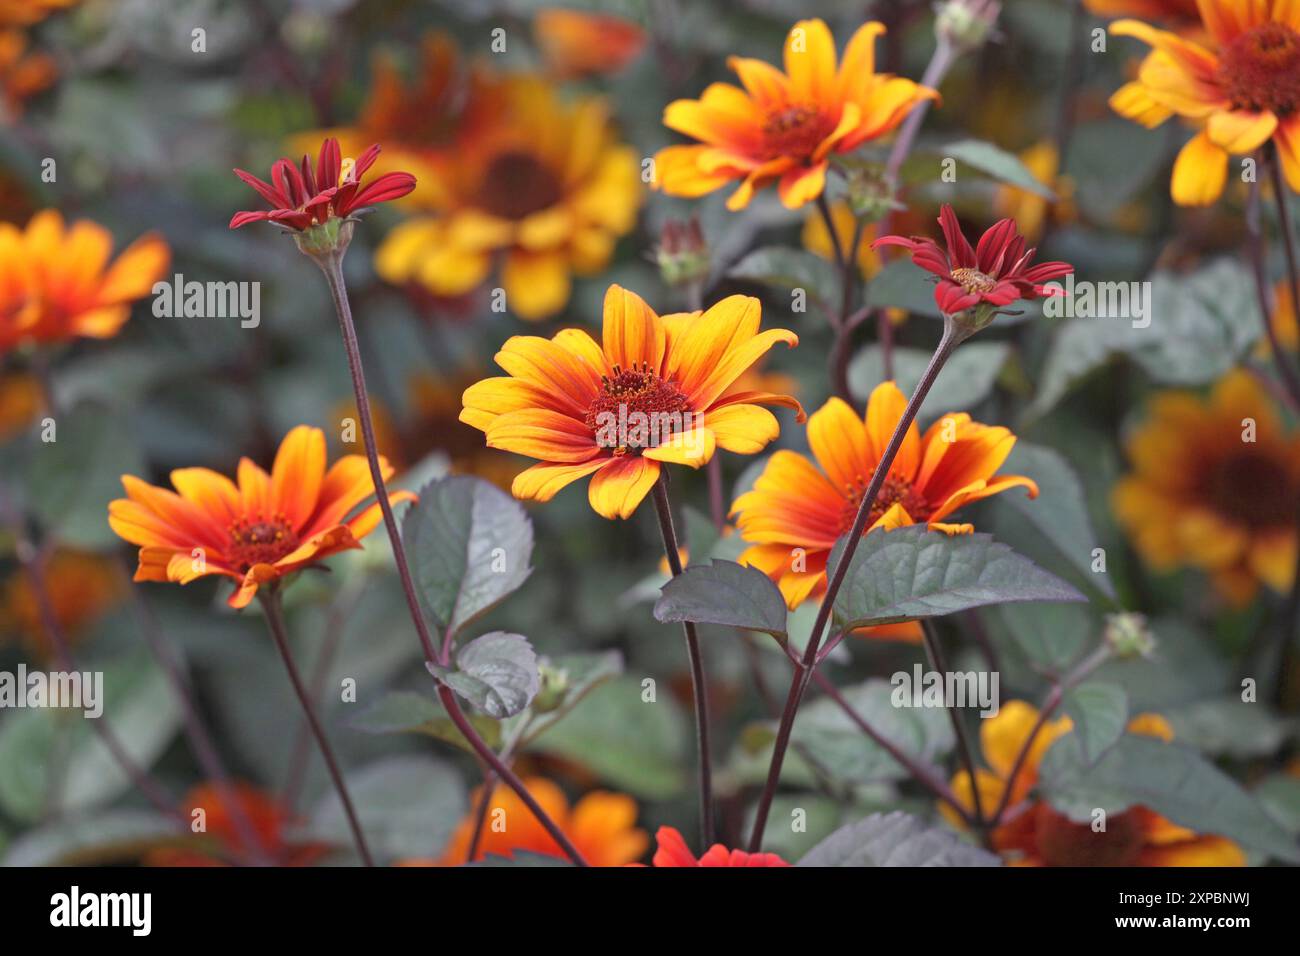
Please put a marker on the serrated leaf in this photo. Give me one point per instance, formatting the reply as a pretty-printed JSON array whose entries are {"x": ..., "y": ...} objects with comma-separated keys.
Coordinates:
[
  {"x": 1051, "y": 636},
  {"x": 912, "y": 573},
  {"x": 726, "y": 593},
  {"x": 785, "y": 268},
  {"x": 582, "y": 673},
  {"x": 469, "y": 544},
  {"x": 1059, "y": 513},
  {"x": 896, "y": 839},
  {"x": 1100, "y": 713},
  {"x": 965, "y": 380},
  {"x": 1169, "y": 778},
  {"x": 998, "y": 163},
  {"x": 497, "y": 673}
]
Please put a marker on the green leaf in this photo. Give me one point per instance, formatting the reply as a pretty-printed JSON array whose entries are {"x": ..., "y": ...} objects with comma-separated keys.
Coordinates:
[
  {"x": 904, "y": 285},
  {"x": 784, "y": 268},
  {"x": 1279, "y": 794},
  {"x": 107, "y": 837},
  {"x": 833, "y": 741},
  {"x": 408, "y": 712},
  {"x": 896, "y": 839},
  {"x": 1059, "y": 513},
  {"x": 469, "y": 545},
  {"x": 580, "y": 674},
  {"x": 497, "y": 673},
  {"x": 1200, "y": 325},
  {"x": 965, "y": 380},
  {"x": 407, "y": 806},
  {"x": 72, "y": 479},
  {"x": 41, "y": 744},
  {"x": 913, "y": 573},
  {"x": 1100, "y": 713},
  {"x": 726, "y": 593},
  {"x": 1051, "y": 636},
  {"x": 634, "y": 744},
  {"x": 998, "y": 163},
  {"x": 1229, "y": 727},
  {"x": 1173, "y": 780}
]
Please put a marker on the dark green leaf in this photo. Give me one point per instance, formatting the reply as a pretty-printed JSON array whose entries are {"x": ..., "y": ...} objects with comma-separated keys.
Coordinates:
[
  {"x": 998, "y": 163},
  {"x": 784, "y": 268},
  {"x": 497, "y": 673},
  {"x": 406, "y": 711},
  {"x": 470, "y": 545},
  {"x": 724, "y": 593},
  {"x": 914, "y": 573},
  {"x": 965, "y": 380},
  {"x": 896, "y": 839},
  {"x": 1100, "y": 713}
]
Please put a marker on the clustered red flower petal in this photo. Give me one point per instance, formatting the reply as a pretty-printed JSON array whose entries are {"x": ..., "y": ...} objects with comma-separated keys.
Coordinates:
[
  {"x": 303, "y": 199},
  {"x": 997, "y": 271},
  {"x": 673, "y": 852}
]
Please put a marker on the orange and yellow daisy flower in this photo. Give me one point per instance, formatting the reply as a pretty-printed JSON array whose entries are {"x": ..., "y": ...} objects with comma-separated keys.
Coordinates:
[
  {"x": 258, "y": 531},
  {"x": 1241, "y": 90},
  {"x": 672, "y": 851},
  {"x": 57, "y": 284},
  {"x": 655, "y": 390},
  {"x": 577, "y": 43},
  {"x": 545, "y": 193},
  {"x": 601, "y": 825},
  {"x": 795, "y": 512},
  {"x": 783, "y": 127},
  {"x": 1214, "y": 485},
  {"x": 1040, "y": 836}
]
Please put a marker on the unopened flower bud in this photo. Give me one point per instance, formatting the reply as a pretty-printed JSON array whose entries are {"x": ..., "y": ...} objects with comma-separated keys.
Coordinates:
[
  {"x": 682, "y": 255},
  {"x": 870, "y": 195},
  {"x": 554, "y": 688},
  {"x": 1128, "y": 636},
  {"x": 966, "y": 24}
]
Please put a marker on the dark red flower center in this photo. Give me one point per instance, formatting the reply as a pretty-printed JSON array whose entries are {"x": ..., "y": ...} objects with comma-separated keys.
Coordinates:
[
  {"x": 974, "y": 281},
  {"x": 517, "y": 184},
  {"x": 895, "y": 490},
  {"x": 1253, "y": 488},
  {"x": 261, "y": 541},
  {"x": 794, "y": 130},
  {"x": 1062, "y": 842},
  {"x": 636, "y": 409},
  {"x": 1260, "y": 69}
]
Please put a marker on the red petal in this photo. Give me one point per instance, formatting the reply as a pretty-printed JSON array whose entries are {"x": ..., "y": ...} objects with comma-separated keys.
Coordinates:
[
  {"x": 365, "y": 161},
  {"x": 991, "y": 252},
  {"x": 289, "y": 179},
  {"x": 244, "y": 218},
  {"x": 959, "y": 250},
  {"x": 328, "y": 165},
  {"x": 265, "y": 190},
  {"x": 386, "y": 187},
  {"x": 951, "y": 297}
]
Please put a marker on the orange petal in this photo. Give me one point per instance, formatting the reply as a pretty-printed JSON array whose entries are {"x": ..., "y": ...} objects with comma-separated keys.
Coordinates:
[
  {"x": 743, "y": 429},
  {"x": 839, "y": 442},
  {"x": 297, "y": 474},
  {"x": 885, "y": 408},
  {"x": 542, "y": 482},
  {"x": 810, "y": 61},
  {"x": 543, "y": 434},
  {"x": 1200, "y": 172},
  {"x": 617, "y": 489},
  {"x": 133, "y": 274},
  {"x": 633, "y": 334},
  {"x": 1240, "y": 131}
]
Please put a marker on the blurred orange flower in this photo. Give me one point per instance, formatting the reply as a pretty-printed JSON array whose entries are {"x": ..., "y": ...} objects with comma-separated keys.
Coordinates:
[
  {"x": 783, "y": 126},
  {"x": 576, "y": 43},
  {"x": 673, "y": 851},
  {"x": 56, "y": 284},
  {"x": 795, "y": 512},
  {"x": 1215, "y": 485},
  {"x": 601, "y": 825},
  {"x": 656, "y": 390},
  {"x": 256, "y": 532},
  {"x": 1173, "y": 12},
  {"x": 545, "y": 192},
  {"x": 26, "y": 12},
  {"x": 81, "y": 587},
  {"x": 1031, "y": 211},
  {"x": 22, "y": 74},
  {"x": 1242, "y": 90},
  {"x": 21, "y": 400},
  {"x": 1040, "y": 836},
  {"x": 269, "y": 820}
]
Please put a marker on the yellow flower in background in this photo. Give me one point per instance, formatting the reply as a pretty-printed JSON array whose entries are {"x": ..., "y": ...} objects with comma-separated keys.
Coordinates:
[
  {"x": 577, "y": 43},
  {"x": 796, "y": 507},
  {"x": 1241, "y": 90},
  {"x": 58, "y": 283},
  {"x": 783, "y": 127},
  {"x": 1040, "y": 836},
  {"x": 816, "y": 239},
  {"x": 21, "y": 400},
  {"x": 654, "y": 390},
  {"x": 1214, "y": 485},
  {"x": 1031, "y": 211},
  {"x": 546, "y": 193}
]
